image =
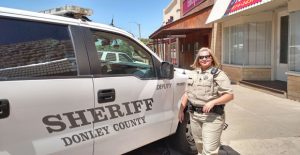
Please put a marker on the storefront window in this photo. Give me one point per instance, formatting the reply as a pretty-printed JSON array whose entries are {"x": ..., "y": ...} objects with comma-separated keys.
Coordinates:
[
  {"x": 294, "y": 55},
  {"x": 173, "y": 53},
  {"x": 248, "y": 44}
]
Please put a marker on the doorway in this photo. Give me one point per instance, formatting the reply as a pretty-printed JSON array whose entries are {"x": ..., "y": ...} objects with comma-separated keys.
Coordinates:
[{"x": 282, "y": 48}]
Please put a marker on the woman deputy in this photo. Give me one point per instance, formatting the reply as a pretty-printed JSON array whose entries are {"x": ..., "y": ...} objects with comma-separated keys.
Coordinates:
[{"x": 208, "y": 90}]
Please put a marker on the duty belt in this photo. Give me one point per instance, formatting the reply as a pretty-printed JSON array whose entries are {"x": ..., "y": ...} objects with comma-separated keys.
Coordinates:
[{"x": 217, "y": 109}]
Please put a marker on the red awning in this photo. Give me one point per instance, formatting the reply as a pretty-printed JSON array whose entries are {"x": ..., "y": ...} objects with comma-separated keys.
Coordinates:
[
  {"x": 226, "y": 8},
  {"x": 190, "y": 23}
]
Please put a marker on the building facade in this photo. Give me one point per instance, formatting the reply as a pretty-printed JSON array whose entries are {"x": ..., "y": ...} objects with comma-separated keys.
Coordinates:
[
  {"x": 179, "y": 39},
  {"x": 259, "y": 40}
]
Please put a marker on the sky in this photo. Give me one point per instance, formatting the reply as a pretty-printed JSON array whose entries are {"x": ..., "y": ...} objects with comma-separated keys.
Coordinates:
[{"x": 127, "y": 14}]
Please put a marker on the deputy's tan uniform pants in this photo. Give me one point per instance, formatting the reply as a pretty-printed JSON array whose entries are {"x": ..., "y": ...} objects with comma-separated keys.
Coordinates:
[{"x": 207, "y": 129}]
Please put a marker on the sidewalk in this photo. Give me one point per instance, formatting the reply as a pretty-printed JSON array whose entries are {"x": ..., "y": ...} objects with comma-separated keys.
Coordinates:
[{"x": 261, "y": 124}]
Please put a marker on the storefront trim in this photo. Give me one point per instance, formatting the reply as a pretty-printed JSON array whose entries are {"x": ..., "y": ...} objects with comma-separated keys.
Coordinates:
[
  {"x": 293, "y": 73},
  {"x": 248, "y": 66},
  {"x": 241, "y": 5},
  {"x": 294, "y": 5},
  {"x": 260, "y": 17},
  {"x": 218, "y": 13}
]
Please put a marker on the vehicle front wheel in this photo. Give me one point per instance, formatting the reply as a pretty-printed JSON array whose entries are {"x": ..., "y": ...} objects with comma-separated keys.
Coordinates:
[{"x": 183, "y": 139}]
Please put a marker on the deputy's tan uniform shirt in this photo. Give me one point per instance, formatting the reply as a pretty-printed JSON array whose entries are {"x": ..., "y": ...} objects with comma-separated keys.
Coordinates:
[{"x": 202, "y": 87}]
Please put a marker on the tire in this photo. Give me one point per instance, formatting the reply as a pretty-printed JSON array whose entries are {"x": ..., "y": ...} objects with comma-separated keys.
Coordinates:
[{"x": 183, "y": 140}]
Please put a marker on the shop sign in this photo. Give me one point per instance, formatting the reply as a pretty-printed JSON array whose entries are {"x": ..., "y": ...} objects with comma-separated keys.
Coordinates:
[
  {"x": 236, "y": 5},
  {"x": 190, "y": 4}
]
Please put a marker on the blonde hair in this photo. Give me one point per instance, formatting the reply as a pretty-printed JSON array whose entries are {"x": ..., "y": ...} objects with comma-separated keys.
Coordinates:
[{"x": 196, "y": 63}]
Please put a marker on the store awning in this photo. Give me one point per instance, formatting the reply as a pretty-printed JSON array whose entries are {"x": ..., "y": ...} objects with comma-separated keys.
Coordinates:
[
  {"x": 188, "y": 24},
  {"x": 224, "y": 9}
]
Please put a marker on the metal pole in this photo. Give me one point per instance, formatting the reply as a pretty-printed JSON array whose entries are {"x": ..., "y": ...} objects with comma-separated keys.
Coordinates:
[
  {"x": 139, "y": 28},
  {"x": 139, "y": 25}
]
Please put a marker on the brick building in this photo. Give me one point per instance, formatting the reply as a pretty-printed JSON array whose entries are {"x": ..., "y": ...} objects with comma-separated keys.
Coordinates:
[
  {"x": 259, "y": 40},
  {"x": 184, "y": 32}
]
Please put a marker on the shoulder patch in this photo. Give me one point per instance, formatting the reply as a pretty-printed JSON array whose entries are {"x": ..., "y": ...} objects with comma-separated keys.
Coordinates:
[{"x": 215, "y": 71}]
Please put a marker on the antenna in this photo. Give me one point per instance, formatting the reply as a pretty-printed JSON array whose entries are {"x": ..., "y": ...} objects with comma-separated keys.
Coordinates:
[{"x": 112, "y": 22}]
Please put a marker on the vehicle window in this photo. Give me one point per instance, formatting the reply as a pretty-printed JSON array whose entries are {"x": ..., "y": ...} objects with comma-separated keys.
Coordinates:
[
  {"x": 32, "y": 49},
  {"x": 131, "y": 58},
  {"x": 125, "y": 58},
  {"x": 111, "y": 57}
]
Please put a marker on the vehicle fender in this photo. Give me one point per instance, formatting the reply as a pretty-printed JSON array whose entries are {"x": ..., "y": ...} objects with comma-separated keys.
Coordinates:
[{"x": 179, "y": 83}]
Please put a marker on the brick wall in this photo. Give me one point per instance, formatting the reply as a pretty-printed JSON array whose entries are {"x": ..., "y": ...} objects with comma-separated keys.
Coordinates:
[
  {"x": 234, "y": 73},
  {"x": 293, "y": 87},
  {"x": 237, "y": 73},
  {"x": 257, "y": 74}
]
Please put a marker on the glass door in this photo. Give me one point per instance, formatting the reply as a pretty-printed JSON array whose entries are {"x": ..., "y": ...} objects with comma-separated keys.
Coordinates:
[{"x": 282, "y": 48}]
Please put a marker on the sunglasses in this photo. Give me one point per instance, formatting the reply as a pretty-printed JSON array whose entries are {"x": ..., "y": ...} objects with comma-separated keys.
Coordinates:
[{"x": 205, "y": 56}]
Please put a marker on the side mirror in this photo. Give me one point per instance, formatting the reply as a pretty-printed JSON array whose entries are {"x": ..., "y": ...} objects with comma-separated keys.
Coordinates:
[{"x": 166, "y": 70}]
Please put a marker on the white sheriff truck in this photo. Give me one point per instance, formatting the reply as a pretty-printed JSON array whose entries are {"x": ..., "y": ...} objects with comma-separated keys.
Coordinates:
[{"x": 58, "y": 97}]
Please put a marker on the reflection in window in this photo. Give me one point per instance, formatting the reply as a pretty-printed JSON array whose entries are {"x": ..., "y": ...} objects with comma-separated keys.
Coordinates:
[
  {"x": 125, "y": 58},
  {"x": 31, "y": 49},
  {"x": 119, "y": 55},
  {"x": 111, "y": 57}
]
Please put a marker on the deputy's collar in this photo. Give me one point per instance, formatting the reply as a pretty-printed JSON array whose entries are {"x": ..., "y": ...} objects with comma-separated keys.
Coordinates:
[{"x": 199, "y": 70}]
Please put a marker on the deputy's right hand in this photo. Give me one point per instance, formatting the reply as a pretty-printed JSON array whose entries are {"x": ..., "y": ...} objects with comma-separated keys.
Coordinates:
[{"x": 181, "y": 116}]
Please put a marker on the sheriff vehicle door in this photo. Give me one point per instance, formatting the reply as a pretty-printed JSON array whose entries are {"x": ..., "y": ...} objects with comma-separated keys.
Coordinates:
[{"x": 131, "y": 101}]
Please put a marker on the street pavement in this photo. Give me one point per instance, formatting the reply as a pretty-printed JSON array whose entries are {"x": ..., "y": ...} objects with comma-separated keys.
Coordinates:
[{"x": 261, "y": 124}]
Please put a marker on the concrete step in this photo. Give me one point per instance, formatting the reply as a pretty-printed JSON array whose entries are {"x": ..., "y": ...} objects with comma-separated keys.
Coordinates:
[{"x": 265, "y": 89}]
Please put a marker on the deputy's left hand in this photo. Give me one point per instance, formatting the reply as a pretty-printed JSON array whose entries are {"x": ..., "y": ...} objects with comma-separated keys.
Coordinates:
[{"x": 207, "y": 107}]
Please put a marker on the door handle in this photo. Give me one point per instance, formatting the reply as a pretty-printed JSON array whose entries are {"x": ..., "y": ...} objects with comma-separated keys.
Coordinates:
[
  {"x": 4, "y": 108},
  {"x": 106, "y": 95}
]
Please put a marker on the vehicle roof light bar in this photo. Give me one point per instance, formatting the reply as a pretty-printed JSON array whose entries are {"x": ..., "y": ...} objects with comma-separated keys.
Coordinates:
[{"x": 70, "y": 11}]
